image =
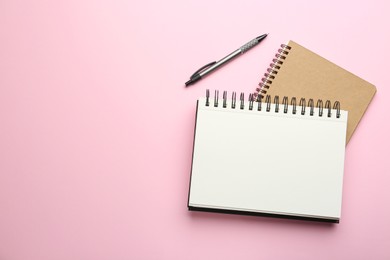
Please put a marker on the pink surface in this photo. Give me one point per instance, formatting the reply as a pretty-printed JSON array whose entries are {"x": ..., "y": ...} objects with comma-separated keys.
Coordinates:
[{"x": 96, "y": 127}]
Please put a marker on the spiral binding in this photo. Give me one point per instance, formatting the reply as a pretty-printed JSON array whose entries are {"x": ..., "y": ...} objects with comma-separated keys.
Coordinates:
[
  {"x": 273, "y": 69},
  {"x": 304, "y": 107}
]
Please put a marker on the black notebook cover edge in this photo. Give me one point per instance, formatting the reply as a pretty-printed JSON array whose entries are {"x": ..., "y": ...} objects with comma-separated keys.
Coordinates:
[{"x": 261, "y": 214}]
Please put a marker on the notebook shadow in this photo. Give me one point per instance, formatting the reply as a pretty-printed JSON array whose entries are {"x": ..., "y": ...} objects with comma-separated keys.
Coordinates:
[{"x": 220, "y": 217}]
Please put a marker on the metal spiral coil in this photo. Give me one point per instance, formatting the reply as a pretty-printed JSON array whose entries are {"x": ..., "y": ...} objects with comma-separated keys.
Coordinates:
[
  {"x": 328, "y": 106},
  {"x": 272, "y": 70},
  {"x": 216, "y": 98},
  {"x": 336, "y": 106},
  {"x": 311, "y": 105},
  {"x": 320, "y": 107},
  {"x": 294, "y": 105},
  {"x": 275, "y": 105},
  {"x": 207, "y": 97},
  {"x": 268, "y": 102},
  {"x": 224, "y": 98},
  {"x": 234, "y": 100},
  {"x": 285, "y": 104},
  {"x": 302, "y": 104},
  {"x": 276, "y": 102},
  {"x": 242, "y": 101},
  {"x": 250, "y": 100}
]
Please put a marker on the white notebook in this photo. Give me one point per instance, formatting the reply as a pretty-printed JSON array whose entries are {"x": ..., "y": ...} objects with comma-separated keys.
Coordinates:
[{"x": 282, "y": 159}]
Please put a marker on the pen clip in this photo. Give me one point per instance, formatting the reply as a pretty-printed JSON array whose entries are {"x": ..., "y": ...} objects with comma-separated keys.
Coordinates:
[{"x": 205, "y": 66}]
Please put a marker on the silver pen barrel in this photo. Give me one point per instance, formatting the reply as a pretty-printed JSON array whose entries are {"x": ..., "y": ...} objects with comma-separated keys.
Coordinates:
[
  {"x": 221, "y": 62},
  {"x": 231, "y": 56}
]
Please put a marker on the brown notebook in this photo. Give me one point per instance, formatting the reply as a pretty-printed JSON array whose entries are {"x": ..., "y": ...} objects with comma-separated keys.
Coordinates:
[{"x": 297, "y": 71}]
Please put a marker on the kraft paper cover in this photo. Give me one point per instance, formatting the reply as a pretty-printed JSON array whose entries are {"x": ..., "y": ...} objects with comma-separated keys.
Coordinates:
[{"x": 308, "y": 75}]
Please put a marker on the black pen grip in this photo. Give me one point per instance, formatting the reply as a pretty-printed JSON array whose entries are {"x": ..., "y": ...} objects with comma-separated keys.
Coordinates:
[{"x": 194, "y": 78}]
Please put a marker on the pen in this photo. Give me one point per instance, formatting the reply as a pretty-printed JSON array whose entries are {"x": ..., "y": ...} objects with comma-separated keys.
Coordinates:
[{"x": 208, "y": 68}]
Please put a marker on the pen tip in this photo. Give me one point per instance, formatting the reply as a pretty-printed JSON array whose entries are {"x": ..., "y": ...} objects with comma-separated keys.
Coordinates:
[{"x": 261, "y": 37}]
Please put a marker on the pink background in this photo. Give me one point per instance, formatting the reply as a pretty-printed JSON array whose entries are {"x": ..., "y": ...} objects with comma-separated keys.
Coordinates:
[{"x": 96, "y": 127}]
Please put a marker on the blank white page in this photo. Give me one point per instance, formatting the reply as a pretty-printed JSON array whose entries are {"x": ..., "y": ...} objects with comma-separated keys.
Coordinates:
[{"x": 268, "y": 162}]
